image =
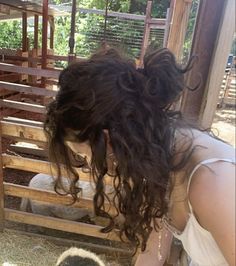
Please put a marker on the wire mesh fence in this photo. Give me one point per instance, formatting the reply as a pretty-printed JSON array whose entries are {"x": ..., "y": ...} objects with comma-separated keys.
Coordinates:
[{"x": 124, "y": 33}]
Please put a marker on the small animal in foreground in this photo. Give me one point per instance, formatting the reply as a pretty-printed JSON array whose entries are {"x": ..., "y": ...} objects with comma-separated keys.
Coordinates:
[{"x": 79, "y": 257}]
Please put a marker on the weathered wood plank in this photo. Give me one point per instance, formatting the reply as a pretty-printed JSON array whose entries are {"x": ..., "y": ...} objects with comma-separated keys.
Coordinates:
[
  {"x": 178, "y": 28},
  {"x": 23, "y": 131},
  {"x": 23, "y": 106},
  {"x": 52, "y": 197},
  {"x": 21, "y": 121},
  {"x": 58, "y": 224},
  {"x": 217, "y": 68},
  {"x": 30, "y": 71},
  {"x": 38, "y": 166},
  {"x": 27, "y": 89},
  {"x": 28, "y": 149},
  {"x": 1, "y": 188},
  {"x": 45, "y": 196},
  {"x": 208, "y": 22}
]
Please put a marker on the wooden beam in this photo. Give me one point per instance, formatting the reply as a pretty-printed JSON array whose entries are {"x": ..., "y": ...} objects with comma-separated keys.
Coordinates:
[
  {"x": 72, "y": 29},
  {"x": 52, "y": 197},
  {"x": 35, "y": 108},
  {"x": 24, "y": 32},
  {"x": 10, "y": 77},
  {"x": 146, "y": 33},
  {"x": 59, "y": 224},
  {"x": 44, "y": 38},
  {"x": 45, "y": 196},
  {"x": 52, "y": 29},
  {"x": 22, "y": 148},
  {"x": 26, "y": 89},
  {"x": 36, "y": 30},
  {"x": 23, "y": 131},
  {"x": 178, "y": 26},
  {"x": 1, "y": 187},
  {"x": 204, "y": 40},
  {"x": 218, "y": 63},
  {"x": 30, "y": 71},
  {"x": 11, "y": 59},
  {"x": 4, "y": 9},
  {"x": 21, "y": 121},
  {"x": 37, "y": 166}
]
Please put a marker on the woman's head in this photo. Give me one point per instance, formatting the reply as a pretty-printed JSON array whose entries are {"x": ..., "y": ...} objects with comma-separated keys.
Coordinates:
[{"x": 110, "y": 106}]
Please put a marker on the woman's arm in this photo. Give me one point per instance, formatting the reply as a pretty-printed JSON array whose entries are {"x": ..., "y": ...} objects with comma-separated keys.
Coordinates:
[
  {"x": 212, "y": 195},
  {"x": 157, "y": 251}
]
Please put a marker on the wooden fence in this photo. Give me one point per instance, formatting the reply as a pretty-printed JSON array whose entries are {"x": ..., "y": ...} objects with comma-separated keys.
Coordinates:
[{"x": 30, "y": 131}]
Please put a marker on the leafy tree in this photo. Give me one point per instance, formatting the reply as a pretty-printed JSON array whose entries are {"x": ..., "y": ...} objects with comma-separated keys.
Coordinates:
[
  {"x": 159, "y": 7},
  {"x": 11, "y": 36}
]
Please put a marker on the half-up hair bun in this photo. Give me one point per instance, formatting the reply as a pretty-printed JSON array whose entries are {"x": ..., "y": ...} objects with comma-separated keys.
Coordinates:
[{"x": 164, "y": 78}]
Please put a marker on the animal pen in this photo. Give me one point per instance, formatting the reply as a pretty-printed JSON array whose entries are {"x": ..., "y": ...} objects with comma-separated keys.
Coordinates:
[{"x": 28, "y": 79}]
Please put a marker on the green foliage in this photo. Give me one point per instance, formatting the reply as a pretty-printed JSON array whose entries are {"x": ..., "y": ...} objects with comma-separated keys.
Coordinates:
[
  {"x": 159, "y": 7},
  {"x": 89, "y": 27},
  {"x": 61, "y": 36},
  {"x": 10, "y": 34}
]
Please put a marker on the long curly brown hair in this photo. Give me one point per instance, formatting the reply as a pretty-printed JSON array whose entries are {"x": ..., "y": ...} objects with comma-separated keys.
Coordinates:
[{"x": 107, "y": 92}]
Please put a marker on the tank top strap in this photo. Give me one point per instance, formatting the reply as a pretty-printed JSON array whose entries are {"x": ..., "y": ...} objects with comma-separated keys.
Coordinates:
[{"x": 204, "y": 162}]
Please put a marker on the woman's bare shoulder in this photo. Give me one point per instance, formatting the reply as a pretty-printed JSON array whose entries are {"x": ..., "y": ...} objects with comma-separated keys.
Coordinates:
[{"x": 212, "y": 196}]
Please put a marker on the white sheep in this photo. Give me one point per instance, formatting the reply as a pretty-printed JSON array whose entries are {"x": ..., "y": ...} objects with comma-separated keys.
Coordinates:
[
  {"x": 47, "y": 182},
  {"x": 75, "y": 257}
]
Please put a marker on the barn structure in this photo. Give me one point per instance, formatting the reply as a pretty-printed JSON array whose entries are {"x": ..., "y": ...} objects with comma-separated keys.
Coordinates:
[{"x": 28, "y": 79}]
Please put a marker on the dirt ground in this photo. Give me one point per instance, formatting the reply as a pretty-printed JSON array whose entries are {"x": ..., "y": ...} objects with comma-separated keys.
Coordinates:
[
  {"x": 224, "y": 124},
  {"x": 18, "y": 249}
]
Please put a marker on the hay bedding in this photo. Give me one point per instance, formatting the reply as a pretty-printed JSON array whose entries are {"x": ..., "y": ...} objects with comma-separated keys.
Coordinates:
[{"x": 17, "y": 249}]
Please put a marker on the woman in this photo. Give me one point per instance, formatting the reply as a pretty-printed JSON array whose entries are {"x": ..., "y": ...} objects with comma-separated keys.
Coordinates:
[{"x": 168, "y": 177}]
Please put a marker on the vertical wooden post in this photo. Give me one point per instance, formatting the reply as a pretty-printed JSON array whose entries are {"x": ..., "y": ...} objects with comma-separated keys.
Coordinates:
[
  {"x": 36, "y": 30},
  {"x": 24, "y": 32},
  {"x": 52, "y": 28},
  {"x": 1, "y": 184},
  {"x": 179, "y": 23},
  {"x": 169, "y": 15},
  {"x": 218, "y": 63},
  {"x": 44, "y": 38},
  {"x": 146, "y": 33},
  {"x": 72, "y": 32},
  {"x": 205, "y": 35}
]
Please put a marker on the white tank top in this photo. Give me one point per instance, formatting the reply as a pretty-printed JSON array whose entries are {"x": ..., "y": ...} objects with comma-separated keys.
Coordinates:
[{"x": 197, "y": 241}]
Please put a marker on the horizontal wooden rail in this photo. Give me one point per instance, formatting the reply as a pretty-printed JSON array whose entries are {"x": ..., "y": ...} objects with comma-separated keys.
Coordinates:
[
  {"x": 23, "y": 106},
  {"x": 51, "y": 196},
  {"x": 58, "y": 224},
  {"x": 23, "y": 131},
  {"x": 47, "y": 73},
  {"x": 44, "y": 196},
  {"x": 20, "y": 58},
  {"x": 38, "y": 166},
  {"x": 37, "y": 59},
  {"x": 22, "y": 121},
  {"x": 27, "y": 89},
  {"x": 64, "y": 57}
]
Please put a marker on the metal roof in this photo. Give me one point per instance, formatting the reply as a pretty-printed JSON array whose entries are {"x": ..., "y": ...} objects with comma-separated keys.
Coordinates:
[{"x": 12, "y": 9}]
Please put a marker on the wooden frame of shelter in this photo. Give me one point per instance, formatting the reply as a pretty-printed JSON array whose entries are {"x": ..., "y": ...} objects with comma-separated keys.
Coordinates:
[
  {"x": 30, "y": 131},
  {"x": 218, "y": 28}
]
